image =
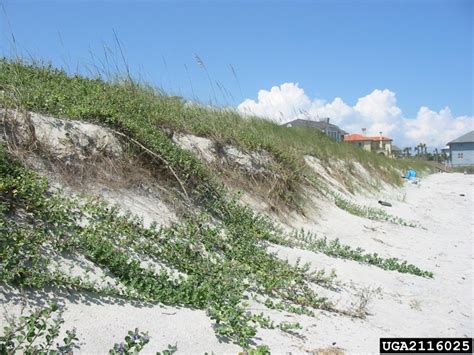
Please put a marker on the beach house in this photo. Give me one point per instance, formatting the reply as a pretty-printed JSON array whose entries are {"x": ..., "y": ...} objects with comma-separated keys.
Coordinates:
[
  {"x": 378, "y": 144},
  {"x": 461, "y": 150}
]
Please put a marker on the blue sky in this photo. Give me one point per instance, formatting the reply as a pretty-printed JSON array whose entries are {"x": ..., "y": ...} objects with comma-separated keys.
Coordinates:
[{"x": 416, "y": 53}]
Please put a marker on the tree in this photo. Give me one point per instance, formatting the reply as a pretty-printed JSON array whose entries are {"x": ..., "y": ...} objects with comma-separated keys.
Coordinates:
[
  {"x": 421, "y": 150},
  {"x": 406, "y": 151}
]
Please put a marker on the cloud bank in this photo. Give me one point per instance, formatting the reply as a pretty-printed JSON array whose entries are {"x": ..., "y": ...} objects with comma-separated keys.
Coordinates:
[{"x": 377, "y": 112}]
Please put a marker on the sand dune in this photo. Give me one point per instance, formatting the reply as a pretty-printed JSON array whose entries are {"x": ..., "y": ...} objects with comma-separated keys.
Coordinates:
[{"x": 397, "y": 305}]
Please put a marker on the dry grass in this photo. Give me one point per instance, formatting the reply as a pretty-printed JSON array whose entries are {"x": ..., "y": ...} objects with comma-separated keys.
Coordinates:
[
  {"x": 132, "y": 170},
  {"x": 364, "y": 297},
  {"x": 331, "y": 350}
]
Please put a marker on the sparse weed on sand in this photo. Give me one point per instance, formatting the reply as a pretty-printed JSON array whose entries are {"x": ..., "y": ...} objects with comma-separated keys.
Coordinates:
[{"x": 364, "y": 297}]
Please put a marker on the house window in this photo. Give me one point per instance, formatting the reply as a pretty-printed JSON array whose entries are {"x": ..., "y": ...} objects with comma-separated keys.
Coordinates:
[{"x": 460, "y": 155}]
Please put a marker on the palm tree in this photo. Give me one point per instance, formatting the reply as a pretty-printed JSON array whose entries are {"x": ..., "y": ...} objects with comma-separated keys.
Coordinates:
[
  {"x": 424, "y": 149},
  {"x": 406, "y": 151},
  {"x": 420, "y": 149}
]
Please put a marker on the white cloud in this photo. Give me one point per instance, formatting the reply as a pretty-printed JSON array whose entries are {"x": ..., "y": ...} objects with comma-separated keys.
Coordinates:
[
  {"x": 437, "y": 128},
  {"x": 380, "y": 105},
  {"x": 338, "y": 110},
  {"x": 377, "y": 112},
  {"x": 280, "y": 103}
]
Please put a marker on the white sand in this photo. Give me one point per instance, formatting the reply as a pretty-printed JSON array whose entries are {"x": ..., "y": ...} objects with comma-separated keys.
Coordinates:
[
  {"x": 400, "y": 305},
  {"x": 407, "y": 305}
]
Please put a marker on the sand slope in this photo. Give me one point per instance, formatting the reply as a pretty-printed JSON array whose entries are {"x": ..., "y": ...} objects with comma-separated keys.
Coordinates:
[{"x": 397, "y": 304}]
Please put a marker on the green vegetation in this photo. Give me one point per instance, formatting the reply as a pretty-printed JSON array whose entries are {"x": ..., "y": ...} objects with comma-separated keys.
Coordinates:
[
  {"x": 376, "y": 214},
  {"x": 134, "y": 342},
  {"x": 221, "y": 262},
  {"x": 334, "y": 248},
  {"x": 288, "y": 307},
  {"x": 468, "y": 169},
  {"x": 36, "y": 333},
  {"x": 259, "y": 350}
]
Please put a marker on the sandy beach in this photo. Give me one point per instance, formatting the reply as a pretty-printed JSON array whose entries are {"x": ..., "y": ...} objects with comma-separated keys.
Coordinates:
[{"x": 397, "y": 305}]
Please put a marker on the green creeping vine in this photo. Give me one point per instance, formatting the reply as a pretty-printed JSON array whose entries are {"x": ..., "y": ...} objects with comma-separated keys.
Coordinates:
[
  {"x": 369, "y": 212},
  {"x": 218, "y": 264},
  {"x": 288, "y": 307},
  {"x": 355, "y": 209},
  {"x": 334, "y": 248},
  {"x": 36, "y": 334},
  {"x": 259, "y": 350},
  {"x": 134, "y": 342}
]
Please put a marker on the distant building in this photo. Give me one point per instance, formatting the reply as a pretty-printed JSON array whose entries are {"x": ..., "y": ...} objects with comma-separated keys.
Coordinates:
[
  {"x": 379, "y": 145},
  {"x": 461, "y": 150},
  {"x": 396, "y": 151},
  {"x": 331, "y": 130},
  {"x": 445, "y": 150},
  {"x": 446, "y": 154}
]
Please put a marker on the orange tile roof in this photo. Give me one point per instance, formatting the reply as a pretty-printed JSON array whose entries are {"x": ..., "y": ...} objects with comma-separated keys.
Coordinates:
[
  {"x": 355, "y": 137},
  {"x": 359, "y": 137}
]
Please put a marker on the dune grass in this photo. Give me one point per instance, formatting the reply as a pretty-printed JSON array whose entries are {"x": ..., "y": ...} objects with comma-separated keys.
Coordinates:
[
  {"x": 143, "y": 112},
  {"x": 464, "y": 169}
]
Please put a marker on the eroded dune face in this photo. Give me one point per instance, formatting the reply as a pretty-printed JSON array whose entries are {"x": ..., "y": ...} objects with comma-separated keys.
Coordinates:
[
  {"x": 370, "y": 298},
  {"x": 66, "y": 140}
]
